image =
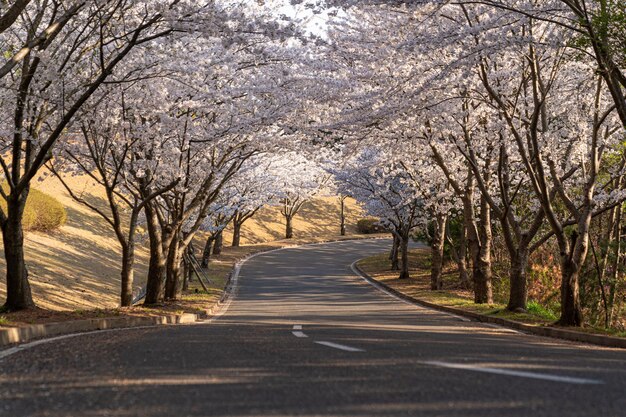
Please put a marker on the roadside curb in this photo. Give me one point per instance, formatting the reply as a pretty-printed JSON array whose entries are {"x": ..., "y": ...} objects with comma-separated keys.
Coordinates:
[
  {"x": 546, "y": 331},
  {"x": 25, "y": 334}
]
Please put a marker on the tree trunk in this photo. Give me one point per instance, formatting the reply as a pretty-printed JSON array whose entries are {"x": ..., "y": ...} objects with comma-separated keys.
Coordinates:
[
  {"x": 395, "y": 252},
  {"x": 156, "y": 264},
  {"x": 186, "y": 274},
  {"x": 206, "y": 253},
  {"x": 615, "y": 265},
  {"x": 437, "y": 249},
  {"x": 571, "y": 314},
  {"x": 19, "y": 295},
  {"x": 342, "y": 225},
  {"x": 518, "y": 294},
  {"x": 571, "y": 261},
  {"x": 473, "y": 245},
  {"x": 482, "y": 283},
  {"x": 288, "y": 227},
  {"x": 462, "y": 260},
  {"x": 172, "y": 278},
  {"x": 128, "y": 272},
  {"x": 404, "y": 264},
  {"x": 236, "y": 233},
  {"x": 218, "y": 244}
]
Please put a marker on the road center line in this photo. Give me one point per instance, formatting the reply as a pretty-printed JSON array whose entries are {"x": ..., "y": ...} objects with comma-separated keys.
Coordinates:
[
  {"x": 297, "y": 331},
  {"x": 510, "y": 372},
  {"x": 340, "y": 347}
]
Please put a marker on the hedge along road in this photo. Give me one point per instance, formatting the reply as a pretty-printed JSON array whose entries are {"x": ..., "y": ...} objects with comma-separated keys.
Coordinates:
[{"x": 305, "y": 336}]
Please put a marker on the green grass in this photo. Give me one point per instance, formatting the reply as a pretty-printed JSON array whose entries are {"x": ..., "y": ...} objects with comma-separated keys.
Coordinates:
[
  {"x": 537, "y": 309},
  {"x": 418, "y": 286},
  {"x": 42, "y": 213},
  {"x": 3, "y": 321}
]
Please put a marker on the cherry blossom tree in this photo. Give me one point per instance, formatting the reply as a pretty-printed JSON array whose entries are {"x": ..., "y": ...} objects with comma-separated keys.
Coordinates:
[
  {"x": 255, "y": 188},
  {"x": 106, "y": 153},
  {"x": 384, "y": 191},
  {"x": 46, "y": 84},
  {"x": 297, "y": 179}
]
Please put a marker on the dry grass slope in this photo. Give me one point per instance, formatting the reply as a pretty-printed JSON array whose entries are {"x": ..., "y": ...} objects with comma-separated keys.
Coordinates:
[{"x": 76, "y": 266}]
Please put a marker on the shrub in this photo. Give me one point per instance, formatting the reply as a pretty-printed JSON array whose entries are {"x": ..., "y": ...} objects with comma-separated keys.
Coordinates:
[
  {"x": 539, "y": 310},
  {"x": 42, "y": 213},
  {"x": 369, "y": 225}
]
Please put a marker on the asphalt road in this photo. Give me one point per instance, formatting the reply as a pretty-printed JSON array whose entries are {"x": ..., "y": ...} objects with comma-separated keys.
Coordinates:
[{"x": 305, "y": 336}]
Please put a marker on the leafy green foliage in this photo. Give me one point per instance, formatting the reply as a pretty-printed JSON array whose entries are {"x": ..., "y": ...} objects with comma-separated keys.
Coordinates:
[{"x": 608, "y": 21}]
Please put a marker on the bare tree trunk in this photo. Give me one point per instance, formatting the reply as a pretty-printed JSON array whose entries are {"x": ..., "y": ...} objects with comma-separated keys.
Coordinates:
[
  {"x": 404, "y": 264},
  {"x": 395, "y": 252},
  {"x": 172, "y": 279},
  {"x": 128, "y": 272},
  {"x": 482, "y": 283},
  {"x": 236, "y": 232},
  {"x": 463, "y": 272},
  {"x": 206, "y": 253},
  {"x": 342, "y": 225},
  {"x": 288, "y": 227},
  {"x": 437, "y": 249},
  {"x": 156, "y": 264},
  {"x": 571, "y": 312},
  {"x": 571, "y": 262},
  {"x": 186, "y": 274},
  {"x": 19, "y": 295},
  {"x": 460, "y": 256},
  {"x": 219, "y": 243},
  {"x": 474, "y": 246},
  {"x": 615, "y": 265},
  {"x": 518, "y": 295}
]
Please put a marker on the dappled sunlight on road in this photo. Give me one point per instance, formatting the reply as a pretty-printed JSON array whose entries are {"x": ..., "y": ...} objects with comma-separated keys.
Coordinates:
[{"x": 306, "y": 337}]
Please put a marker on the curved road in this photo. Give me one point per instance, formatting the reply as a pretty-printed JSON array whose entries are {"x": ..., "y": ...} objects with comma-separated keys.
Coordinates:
[{"x": 305, "y": 336}]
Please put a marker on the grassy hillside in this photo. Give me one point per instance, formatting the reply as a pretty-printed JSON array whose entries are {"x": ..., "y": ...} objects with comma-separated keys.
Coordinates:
[
  {"x": 76, "y": 266},
  {"x": 319, "y": 217}
]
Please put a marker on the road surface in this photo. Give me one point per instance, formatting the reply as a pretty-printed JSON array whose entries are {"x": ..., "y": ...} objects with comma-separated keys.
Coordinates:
[{"x": 305, "y": 336}]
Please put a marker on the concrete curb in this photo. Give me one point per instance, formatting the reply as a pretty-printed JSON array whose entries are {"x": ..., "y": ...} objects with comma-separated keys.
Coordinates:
[
  {"x": 546, "y": 331},
  {"x": 19, "y": 335},
  {"x": 25, "y": 334}
]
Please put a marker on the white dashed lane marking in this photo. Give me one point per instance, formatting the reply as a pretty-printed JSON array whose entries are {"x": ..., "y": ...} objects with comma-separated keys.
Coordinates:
[
  {"x": 340, "y": 347},
  {"x": 297, "y": 331},
  {"x": 511, "y": 372}
]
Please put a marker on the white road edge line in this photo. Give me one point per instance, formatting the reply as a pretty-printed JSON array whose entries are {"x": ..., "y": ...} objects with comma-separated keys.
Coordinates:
[
  {"x": 510, "y": 372},
  {"x": 297, "y": 331},
  {"x": 380, "y": 288},
  {"x": 8, "y": 352},
  {"x": 340, "y": 347}
]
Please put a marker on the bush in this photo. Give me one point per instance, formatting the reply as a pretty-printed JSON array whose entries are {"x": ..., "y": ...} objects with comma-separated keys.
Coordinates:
[
  {"x": 42, "y": 213},
  {"x": 369, "y": 225},
  {"x": 535, "y": 308}
]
